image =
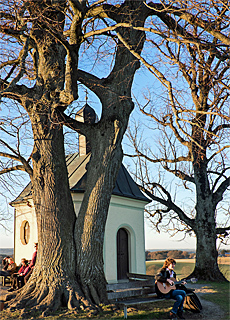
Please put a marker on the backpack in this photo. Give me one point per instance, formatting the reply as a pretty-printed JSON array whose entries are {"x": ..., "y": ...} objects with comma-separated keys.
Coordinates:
[{"x": 192, "y": 303}]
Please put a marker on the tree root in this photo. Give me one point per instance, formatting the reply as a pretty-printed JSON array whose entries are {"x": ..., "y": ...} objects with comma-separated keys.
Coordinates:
[
  {"x": 43, "y": 297},
  {"x": 207, "y": 275}
]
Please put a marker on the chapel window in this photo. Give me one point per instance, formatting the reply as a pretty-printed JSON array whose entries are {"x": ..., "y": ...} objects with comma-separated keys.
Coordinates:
[{"x": 25, "y": 232}]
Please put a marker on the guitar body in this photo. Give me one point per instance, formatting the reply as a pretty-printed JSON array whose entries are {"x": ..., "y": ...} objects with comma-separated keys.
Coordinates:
[{"x": 165, "y": 287}]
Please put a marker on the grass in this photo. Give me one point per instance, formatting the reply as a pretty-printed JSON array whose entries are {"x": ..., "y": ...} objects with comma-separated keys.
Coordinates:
[
  {"x": 221, "y": 296},
  {"x": 147, "y": 311},
  {"x": 182, "y": 269}
]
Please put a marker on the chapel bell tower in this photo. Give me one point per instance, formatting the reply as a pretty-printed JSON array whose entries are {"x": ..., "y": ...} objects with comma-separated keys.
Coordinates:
[{"x": 87, "y": 115}]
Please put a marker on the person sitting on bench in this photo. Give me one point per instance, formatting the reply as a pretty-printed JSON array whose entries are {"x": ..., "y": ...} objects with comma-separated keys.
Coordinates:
[
  {"x": 5, "y": 263},
  {"x": 11, "y": 268},
  {"x": 32, "y": 263},
  {"x": 166, "y": 277},
  {"x": 18, "y": 277}
]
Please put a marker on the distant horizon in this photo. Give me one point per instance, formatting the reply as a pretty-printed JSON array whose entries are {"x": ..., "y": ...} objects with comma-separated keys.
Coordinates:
[{"x": 149, "y": 249}]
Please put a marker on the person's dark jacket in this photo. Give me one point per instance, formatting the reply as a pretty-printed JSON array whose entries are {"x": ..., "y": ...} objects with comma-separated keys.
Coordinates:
[
  {"x": 162, "y": 276},
  {"x": 5, "y": 263}
]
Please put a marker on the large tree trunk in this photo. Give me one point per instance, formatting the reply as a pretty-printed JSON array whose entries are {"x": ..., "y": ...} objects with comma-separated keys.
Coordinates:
[
  {"x": 106, "y": 156},
  {"x": 56, "y": 267},
  {"x": 206, "y": 267},
  {"x": 54, "y": 276},
  {"x": 102, "y": 170},
  {"x": 48, "y": 287}
]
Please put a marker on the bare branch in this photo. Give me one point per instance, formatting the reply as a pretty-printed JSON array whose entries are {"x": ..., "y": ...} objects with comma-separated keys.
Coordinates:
[
  {"x": 218, "y": 195},
  {"x": 190, "y": 18},
  {"x": 223, "y": 231},
  {"x": 14, "y": 168},
  {"x": 168, "y": 203}
]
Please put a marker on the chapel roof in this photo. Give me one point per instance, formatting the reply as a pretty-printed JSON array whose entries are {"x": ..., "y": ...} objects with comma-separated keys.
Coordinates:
[{"x": 125, "y": 186}]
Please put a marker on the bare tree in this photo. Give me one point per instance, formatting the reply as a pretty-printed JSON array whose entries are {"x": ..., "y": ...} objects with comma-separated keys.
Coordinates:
[
  {"x": 44, "y": 42},
  {"x": 192, "y": 63}
]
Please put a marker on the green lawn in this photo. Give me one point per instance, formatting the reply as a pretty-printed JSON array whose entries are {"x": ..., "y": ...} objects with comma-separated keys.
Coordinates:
[{"x": 220, "y": 297}]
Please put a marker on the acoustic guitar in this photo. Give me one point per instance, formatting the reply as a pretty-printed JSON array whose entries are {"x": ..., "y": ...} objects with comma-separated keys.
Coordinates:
[{"x": 165, "y": 287}]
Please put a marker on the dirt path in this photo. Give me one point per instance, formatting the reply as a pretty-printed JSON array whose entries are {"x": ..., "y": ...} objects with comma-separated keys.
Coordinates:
[{"x": 211, "y": 311}]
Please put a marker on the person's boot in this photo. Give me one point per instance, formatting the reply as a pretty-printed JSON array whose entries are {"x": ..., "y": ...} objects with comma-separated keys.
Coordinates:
[
  {"x": 180, "y": 314},
  {"x": 172, "y": 315}
]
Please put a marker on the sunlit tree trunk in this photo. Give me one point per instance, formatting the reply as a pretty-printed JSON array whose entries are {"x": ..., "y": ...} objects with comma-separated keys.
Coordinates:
[
  {"x": 55, "y": 267},
  {"x": 206, "y": 267},
  {"x": 102, "y": 170}
]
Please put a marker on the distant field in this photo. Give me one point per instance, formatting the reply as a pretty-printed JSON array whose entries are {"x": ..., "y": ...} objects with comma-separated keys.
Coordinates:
[
  {"x": 6, "y": 251},
  {"x": 224, "y": 260},
  {"x": 185, "y": 266}
]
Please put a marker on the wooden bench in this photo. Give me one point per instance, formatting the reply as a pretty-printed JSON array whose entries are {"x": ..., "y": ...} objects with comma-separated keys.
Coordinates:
[
  {"x": 4, "y": 279},
  {"x": 138, "y": 289}
]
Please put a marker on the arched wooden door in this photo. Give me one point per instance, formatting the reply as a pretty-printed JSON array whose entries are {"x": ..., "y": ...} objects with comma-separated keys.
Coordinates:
[{"x": 122, "y": 254}]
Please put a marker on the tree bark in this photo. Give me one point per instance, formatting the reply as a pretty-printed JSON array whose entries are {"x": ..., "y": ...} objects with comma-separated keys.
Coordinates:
[
  {"x": 106, "y": 155},
  {"x": 206, "y": 267},
  {"x": 102, "y": 170},
  {"x": 54, "y": 273},
  {"x": 69, "y": 268}
]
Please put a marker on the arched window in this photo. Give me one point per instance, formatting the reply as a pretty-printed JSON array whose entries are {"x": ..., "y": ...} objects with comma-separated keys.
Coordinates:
[{"x": 25, "y": 232}]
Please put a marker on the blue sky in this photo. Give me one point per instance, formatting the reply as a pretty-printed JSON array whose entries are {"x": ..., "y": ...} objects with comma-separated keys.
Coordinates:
[
  {"x": 153, "y": 239},
  {"x": 144, "y": 82}
]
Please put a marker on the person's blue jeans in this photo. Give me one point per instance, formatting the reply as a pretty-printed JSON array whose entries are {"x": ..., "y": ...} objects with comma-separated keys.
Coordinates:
[{"x": 179, "y": 296}]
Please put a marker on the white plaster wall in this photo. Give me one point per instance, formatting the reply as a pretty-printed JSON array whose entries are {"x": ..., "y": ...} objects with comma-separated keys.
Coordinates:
[
  {"x": 24, "y": 212},
  {"x": 128, "y": 214},
  {"x": 123, "y": 213}
]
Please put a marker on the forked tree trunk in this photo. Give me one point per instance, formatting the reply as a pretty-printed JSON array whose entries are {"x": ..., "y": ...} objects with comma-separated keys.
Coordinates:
[
  {"x": 56, "y": 268},
  {"x": 102, "y": 171},
  {"x": 106, "y": 156}
]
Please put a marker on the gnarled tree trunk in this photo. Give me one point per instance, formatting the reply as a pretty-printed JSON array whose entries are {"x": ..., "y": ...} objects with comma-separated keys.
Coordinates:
[
  {"x": 70, "y": 266},
  {"x": 106, "y": 156},
  {"x": 48, "y": 286},
  {"x": 102, "y": 170}
]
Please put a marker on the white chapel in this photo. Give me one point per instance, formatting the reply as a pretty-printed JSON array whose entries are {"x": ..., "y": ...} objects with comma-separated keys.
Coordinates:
[{"x": 124, "y": 242}]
